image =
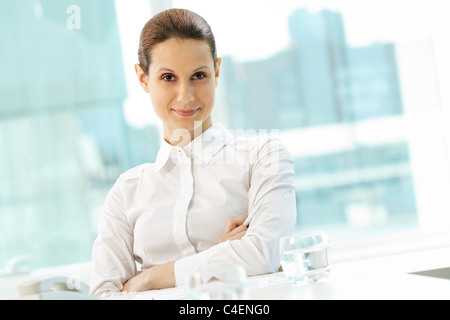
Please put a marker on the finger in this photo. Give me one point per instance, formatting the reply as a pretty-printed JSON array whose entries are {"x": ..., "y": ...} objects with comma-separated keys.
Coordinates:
[
  {"x": 237, "y": 230},
  {"x": 239, "y": 236},
  {"x": 232, "y": 223},
  {"x": 237, "y": 221}
]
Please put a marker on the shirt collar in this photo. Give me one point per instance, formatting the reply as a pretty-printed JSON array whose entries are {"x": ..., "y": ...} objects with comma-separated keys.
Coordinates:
[
  {"x": 163, "y": 154},
  {"x": 203, "y": 148}
]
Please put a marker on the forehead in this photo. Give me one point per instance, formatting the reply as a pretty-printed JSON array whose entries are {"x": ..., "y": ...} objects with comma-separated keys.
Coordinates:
[{"x": 178, "y": 54}]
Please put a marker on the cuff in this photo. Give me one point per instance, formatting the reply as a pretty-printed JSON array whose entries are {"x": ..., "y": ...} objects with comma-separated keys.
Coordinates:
[{"x": 189, "y": 265}]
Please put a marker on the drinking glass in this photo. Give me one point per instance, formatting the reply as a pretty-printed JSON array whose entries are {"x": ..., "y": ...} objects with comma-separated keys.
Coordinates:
[{"x": 305, "y": 258}]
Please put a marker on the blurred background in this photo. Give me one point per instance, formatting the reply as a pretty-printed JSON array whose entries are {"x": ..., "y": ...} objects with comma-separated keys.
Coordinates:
[{"x": 357, "y": 90}]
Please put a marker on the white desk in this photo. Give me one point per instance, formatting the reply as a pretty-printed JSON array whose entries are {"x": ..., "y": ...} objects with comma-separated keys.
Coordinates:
[{"x": 380, "y": 278}]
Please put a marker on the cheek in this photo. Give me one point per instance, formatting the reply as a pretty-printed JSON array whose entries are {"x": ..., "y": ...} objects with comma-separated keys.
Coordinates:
[
  {"x": 207, "y": 95},
  {"x": 160, "y": 98}
]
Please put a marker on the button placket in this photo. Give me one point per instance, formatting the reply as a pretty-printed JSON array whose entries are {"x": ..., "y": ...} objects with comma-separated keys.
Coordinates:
[{"x": 182, "y": 205}]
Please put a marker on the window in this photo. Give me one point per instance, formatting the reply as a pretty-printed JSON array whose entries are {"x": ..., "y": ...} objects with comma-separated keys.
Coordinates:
[
  {"x": 356, "y": 90},
  {"x": 63, "y": 135}
]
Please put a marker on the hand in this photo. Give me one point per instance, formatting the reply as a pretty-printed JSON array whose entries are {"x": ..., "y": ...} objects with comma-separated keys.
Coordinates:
[
  {"x": 157, "y": 277},
  {"x": 234, "y": 230}
]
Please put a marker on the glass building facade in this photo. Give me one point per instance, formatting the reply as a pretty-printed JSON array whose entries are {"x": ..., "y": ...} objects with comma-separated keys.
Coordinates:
[{"x": 321, "y": 80}]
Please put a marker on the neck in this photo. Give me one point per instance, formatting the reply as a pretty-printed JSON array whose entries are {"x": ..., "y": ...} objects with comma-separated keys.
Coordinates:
[{"x": 181, "y": 137}]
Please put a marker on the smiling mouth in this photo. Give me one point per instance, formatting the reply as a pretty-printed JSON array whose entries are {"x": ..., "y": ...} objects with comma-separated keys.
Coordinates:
[{"x": 186, "y": 112}]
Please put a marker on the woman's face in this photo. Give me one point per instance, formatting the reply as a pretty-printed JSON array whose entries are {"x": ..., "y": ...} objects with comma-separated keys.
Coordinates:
[{"x": 181, "y": 81}]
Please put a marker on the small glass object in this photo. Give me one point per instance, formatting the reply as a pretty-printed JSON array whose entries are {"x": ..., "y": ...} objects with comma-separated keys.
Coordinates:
[
  {"x": 226, "y": 283},
  {"x": 305, "y": 258}
]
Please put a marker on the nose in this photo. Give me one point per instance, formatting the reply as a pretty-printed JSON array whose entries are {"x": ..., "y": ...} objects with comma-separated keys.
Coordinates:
[{"x": 185, "y": 92}]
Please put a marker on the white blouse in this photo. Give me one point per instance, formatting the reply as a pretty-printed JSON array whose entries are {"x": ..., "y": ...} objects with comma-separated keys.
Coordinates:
[{"x": 176, "y": 210}]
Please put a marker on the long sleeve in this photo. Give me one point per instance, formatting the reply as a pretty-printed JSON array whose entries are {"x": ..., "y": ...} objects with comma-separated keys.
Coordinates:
[
  {"x": 272, "y": 181},
  {"x": 113, "y": 258}
]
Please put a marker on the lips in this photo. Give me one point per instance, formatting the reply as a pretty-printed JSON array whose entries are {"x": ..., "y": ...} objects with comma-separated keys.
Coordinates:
[{"x": 186, "y": 112}]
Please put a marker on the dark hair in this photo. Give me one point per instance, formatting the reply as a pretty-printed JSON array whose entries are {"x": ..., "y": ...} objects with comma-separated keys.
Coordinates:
[{"x": 173, "y": 23}]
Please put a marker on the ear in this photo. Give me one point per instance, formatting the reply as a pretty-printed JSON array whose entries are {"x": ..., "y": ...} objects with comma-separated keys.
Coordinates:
[
  {"x": 217, "y": 70},
  {"x": 143, "y": 79}
]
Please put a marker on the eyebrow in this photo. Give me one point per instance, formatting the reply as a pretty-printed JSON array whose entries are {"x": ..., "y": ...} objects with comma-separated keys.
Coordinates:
[
  {"x": 202, "y": 67},
  {"x": 195, "y": 70}
]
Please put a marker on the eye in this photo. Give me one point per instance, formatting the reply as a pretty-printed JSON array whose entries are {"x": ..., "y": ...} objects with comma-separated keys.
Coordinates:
[
  {"x": 199, "y": 76},
  {"x": 168, "y": 77}
]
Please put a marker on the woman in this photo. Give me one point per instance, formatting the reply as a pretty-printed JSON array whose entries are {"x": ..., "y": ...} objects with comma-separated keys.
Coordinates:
[{"x": 186, "y": 211}]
